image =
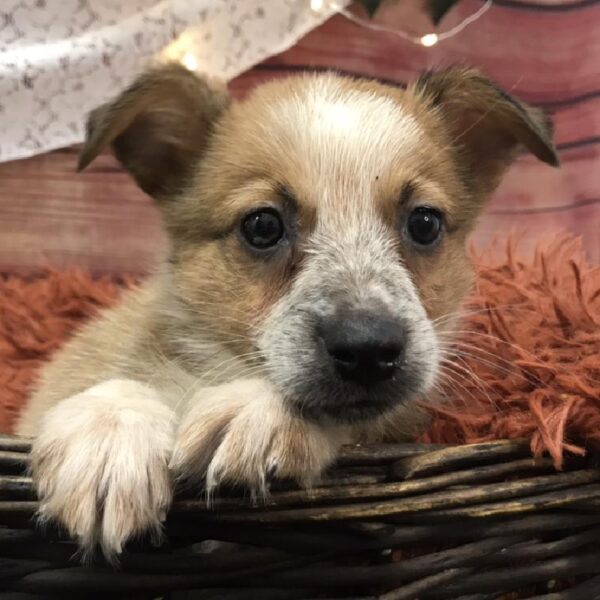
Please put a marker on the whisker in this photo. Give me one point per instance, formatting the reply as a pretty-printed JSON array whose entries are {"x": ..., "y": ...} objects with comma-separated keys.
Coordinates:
[
  {"x": 453, "y": 383},
  {"x": 465, "y": 368},
  {"x": 463, "y": 313},
  {"x": 514, "y": 370},
  {"x": 458, "y": 343}
]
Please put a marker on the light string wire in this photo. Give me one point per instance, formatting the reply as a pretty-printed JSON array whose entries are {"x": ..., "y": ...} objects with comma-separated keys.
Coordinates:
[{"x": 429, "y": 39}]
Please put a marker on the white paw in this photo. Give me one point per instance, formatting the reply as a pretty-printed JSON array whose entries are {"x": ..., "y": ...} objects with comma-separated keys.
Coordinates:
[
  {"x": 241, "y": 433},
  {"x": 100, "y": 464}
]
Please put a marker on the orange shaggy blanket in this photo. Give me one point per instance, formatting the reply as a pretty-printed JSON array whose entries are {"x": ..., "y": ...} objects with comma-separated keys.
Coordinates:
[{"x": 527, "y": 363}]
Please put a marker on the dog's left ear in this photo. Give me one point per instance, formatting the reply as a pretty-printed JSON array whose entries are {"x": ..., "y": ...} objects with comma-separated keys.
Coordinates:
[
  {"x": 158, "y": 127},
  {"x": 487, "y": 126}
]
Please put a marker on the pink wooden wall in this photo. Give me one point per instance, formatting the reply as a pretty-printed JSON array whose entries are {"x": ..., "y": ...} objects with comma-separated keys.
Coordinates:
[{"x": 548, "y": 53}]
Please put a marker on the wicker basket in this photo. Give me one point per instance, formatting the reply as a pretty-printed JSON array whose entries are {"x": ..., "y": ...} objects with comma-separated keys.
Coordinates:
[{"x": 389, "y": 522}]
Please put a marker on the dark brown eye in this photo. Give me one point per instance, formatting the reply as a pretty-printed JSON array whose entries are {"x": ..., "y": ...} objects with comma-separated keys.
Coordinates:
[
  {"x": 425, "y": 225},
  {"x": 263, "y": 229}
]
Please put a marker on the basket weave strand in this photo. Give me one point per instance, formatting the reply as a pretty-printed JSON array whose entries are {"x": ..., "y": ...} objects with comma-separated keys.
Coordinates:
[{"x": 389, "y": 522}]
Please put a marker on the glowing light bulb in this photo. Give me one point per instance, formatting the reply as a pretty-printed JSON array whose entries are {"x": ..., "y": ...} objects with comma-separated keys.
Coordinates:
[
  {"x": 316, "y": 5},
  {"x": 189, "y": 61},
  {"x": 429, "y": 39}
]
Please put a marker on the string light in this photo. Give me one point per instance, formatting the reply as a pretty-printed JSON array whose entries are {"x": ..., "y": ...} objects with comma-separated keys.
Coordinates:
[
  {"x": 427, "y": 40},
  {"x": 184, "y": 50},
  {"x": 189, "y": 61}
]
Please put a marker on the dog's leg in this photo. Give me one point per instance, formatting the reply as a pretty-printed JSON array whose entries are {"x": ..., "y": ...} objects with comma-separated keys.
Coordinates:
[
  {"x": 100, "y": 464},
  {"x": 242, "y": 433}
]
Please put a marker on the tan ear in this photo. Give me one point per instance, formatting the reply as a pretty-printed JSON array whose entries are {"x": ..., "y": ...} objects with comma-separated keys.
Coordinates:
[
  {"x": 487, "y": 126},
  {"x": 158, "y": 127}
]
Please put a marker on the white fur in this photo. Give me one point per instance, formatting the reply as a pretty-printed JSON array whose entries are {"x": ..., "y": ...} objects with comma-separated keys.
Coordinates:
[
  {"x": 103, "y": 459},
  {"x": 100, "y": 463},
  {"x": 336, "y": 129},
  {"x": 241, "y": 432}
]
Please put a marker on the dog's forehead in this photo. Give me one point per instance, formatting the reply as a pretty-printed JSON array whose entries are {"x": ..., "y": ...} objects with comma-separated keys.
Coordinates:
[
  {"x": 335, "y": 124},
  {"x": 342, "y": 148}
]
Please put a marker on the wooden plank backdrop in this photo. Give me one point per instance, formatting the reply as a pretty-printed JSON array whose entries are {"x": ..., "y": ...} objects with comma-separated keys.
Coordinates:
[{"x": 547, "y": 51}]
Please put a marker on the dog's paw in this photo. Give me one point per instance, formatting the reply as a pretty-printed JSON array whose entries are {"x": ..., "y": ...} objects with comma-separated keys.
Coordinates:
[
  {"x": 241, "y": 433},
  {"x": 100, "y": 464}
]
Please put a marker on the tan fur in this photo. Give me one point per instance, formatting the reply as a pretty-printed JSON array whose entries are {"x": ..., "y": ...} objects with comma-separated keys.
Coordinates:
[{"x": 188, "y": 347}]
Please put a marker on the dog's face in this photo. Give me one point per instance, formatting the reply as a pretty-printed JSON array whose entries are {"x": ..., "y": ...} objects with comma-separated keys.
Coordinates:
[{"x": 318, "y": 228}]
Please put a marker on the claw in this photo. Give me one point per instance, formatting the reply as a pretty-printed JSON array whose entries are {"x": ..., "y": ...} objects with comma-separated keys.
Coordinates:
[{"x": 272, "y": 468}]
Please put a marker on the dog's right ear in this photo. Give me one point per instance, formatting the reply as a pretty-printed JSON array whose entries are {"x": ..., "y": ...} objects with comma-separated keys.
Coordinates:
[{"x": 158, "y": 127}]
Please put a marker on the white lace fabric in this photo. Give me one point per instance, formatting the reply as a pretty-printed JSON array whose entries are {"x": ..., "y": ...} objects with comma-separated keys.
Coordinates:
[{"x": 61, "y": 58}]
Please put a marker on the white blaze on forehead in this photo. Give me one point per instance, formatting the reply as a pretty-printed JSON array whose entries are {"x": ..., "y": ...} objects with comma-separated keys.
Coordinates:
[
  {"x": 354, "y": 132},
  {"x": 337, "y": 118}
]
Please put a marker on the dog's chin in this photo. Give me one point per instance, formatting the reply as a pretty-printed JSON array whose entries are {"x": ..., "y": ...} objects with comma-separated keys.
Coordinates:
[{"x": 343, "y": 403}]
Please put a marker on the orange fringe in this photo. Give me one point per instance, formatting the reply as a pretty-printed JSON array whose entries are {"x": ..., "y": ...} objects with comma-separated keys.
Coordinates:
[
  {"x": 531, "y": 337},
  {"x": 37, "y": 314}
]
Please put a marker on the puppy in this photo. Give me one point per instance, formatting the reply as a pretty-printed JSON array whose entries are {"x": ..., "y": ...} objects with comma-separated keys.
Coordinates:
[{"x": 317, "y": 249}]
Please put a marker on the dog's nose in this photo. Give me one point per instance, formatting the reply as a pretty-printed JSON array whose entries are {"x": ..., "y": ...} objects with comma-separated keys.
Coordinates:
[{"x": 364, "y": 348}]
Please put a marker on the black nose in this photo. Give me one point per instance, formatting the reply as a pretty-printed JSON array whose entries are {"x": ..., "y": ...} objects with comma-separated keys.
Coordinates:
[{"x": 365, "y": 348}]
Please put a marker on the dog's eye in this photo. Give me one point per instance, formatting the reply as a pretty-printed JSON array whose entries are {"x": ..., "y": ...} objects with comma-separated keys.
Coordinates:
[
  {"x": 263, "y": 229},
  {"x": 425, "y": 225}
]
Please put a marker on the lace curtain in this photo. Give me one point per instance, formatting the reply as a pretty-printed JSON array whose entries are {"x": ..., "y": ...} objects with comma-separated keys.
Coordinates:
[{"x": 61, "y": 58}]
